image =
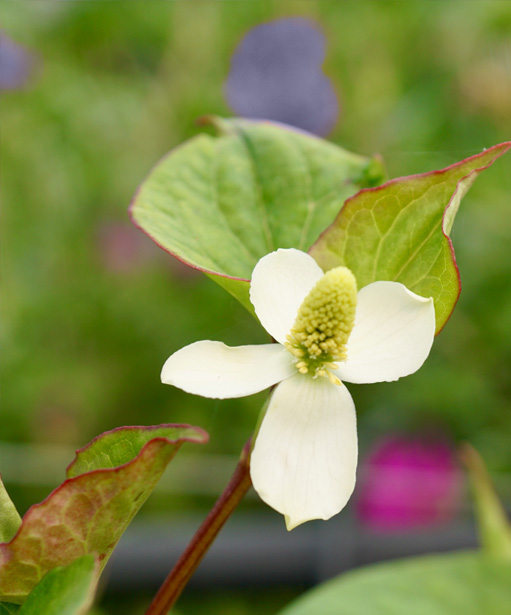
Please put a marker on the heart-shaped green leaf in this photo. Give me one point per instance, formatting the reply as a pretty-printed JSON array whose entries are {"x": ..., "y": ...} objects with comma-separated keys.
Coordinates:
[
  {"x": 107, "y": 484},
  {"x": 466, "y": 583},
  {"x": 221, "y": 203},
  {"x": 65, "y": 590},
  {"x": 400, "y": 231}
]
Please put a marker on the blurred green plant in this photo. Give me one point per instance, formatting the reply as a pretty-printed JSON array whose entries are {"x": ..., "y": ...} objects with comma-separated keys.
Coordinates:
[
  {"x": 81, "y": 342},
  {"x": 112, "y": 94},
  {"x": 476, "y": 583}
]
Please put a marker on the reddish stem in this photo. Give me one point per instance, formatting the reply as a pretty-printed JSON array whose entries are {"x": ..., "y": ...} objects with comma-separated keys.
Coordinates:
[{"x": 186, "y": 565}]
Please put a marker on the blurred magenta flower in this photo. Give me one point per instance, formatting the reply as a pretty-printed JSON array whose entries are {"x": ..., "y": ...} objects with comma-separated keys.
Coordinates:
[
  {"x": 409, "y": 483},
  {"x": 276, "y": 74},
  {"x": 16, "y": 64}
]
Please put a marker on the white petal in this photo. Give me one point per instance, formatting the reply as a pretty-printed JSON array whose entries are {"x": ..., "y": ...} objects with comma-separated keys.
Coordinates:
[
  {"x": 280, "y": 282},
  {"x": 393, "y": 333},
  {"x": 212, "y": 369},
  {"x": 305, "y": 455}
]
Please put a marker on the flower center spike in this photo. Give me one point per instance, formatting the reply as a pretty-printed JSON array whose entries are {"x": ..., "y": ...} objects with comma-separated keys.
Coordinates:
[{"x": 324, "y": 323}]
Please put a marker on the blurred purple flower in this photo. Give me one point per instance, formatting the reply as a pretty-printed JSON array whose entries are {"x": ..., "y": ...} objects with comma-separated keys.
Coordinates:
[
  {"x": 276, "y": 74},
  {"x": 409, "y": 483},
  {"x": 16, "y": 64}
]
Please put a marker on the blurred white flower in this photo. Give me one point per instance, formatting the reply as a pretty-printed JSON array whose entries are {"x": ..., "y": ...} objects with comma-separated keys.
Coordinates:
[{"x": 304, "y": 459}]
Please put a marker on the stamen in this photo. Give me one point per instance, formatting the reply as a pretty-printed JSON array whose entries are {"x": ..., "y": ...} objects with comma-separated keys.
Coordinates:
[
  {"x": 333, "y": 378},
  {"x": 331, "y": 365},
  {"x": 323, "y": 324}
]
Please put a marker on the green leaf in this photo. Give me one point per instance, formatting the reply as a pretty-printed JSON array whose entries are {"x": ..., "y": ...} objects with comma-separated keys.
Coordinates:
[
  {"x": 108, "y": 482},
  {"x": 466, "y": 583},
  {"x": 9, "y": 609},
  {"x": 400, "y": 231},
  {"x": 221, "y": 203},
  {"x": 120, "y": 446},
  {"x": 65, "y": 590},
  {"x": 9, "y": 516}
]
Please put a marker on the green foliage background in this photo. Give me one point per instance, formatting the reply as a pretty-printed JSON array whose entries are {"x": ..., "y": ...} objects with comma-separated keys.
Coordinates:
[{"x": 116, "y": 86}]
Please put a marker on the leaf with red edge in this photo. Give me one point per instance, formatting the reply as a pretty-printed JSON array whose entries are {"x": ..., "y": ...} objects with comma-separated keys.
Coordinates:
[
  {"x": 107, "y": 483},
  {"x": 400, "y": 231},
  {"x": 221, "y": 203}
]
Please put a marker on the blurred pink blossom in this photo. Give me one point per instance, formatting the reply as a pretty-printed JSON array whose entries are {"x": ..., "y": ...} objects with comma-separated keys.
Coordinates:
[
  {"x": 122, "y": 248},
  {"x": 409, "y": 483}
]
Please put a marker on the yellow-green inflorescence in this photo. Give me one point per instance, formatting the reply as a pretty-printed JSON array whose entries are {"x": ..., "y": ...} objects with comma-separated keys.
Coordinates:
[{"x": 324, "y": 323}]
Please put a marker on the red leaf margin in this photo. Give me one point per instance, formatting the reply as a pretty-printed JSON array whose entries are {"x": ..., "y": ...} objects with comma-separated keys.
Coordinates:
[
  {"x": 223, "y": 128},
  {"x": 25, "y": 559},
  {"x": 500, "y": 149}
]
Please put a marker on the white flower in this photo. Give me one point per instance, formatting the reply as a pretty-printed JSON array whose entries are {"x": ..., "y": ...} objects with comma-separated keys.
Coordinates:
[{"x": 305, "y": 455}]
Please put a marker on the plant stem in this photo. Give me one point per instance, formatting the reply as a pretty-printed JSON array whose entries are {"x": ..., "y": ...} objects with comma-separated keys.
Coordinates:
[{"x": 186, "y": 565}]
